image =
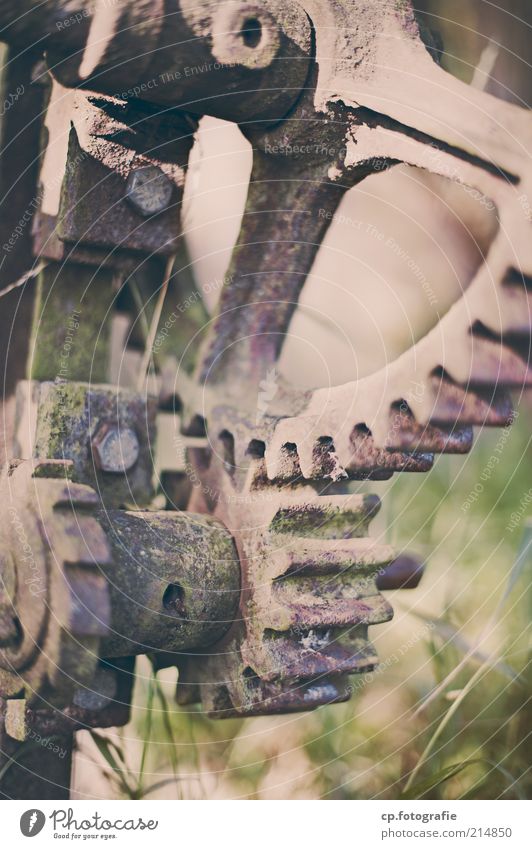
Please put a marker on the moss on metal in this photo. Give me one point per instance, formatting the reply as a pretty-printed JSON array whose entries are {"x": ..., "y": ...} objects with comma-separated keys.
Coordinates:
[{"x": 72, "y": 323}]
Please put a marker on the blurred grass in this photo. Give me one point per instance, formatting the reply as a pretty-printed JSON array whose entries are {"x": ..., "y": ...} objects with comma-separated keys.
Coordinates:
[{"x": 447, "y": 714}]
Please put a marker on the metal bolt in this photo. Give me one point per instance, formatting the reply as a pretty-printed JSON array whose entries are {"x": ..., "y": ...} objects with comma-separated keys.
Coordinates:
[
  {"x": 149, "y": 190},
  {"x": 115, "y": 449}
]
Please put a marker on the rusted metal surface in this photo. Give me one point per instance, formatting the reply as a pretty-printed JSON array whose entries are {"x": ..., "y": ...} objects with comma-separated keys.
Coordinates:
[
  {"x": 149, "y": 190},
  {"x": 272, "y": 486},
  {"x": 309, "y": 597},
  {"x": 36, "y": 754},
  {"x": 365, "y": 118},
  {"x": 174, "y": 582},
  {"x": 82, "y": 582},
  {"x": 74, "y": 421},
  {"x": 115, "y": 449},
  {"x": 141, "y": 49},
  {"x": 98, "y": 148},
  {"x": 58, "y": 596},
  {"x": 22, "y": 99},
  {"x": 77, "y": 347},
  {"x": 84, "y": 589}
]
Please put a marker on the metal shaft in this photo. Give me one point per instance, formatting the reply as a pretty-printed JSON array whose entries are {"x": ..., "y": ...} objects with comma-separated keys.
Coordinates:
[{"x": 174, "y": 582}]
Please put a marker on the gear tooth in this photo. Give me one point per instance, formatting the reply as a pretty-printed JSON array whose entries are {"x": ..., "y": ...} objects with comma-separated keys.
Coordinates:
[
  {"x": 283, "y": 464},
  {"x": 370, "y": 462},
  {"x": 326, "y": 557},
  {"x": 335, "y": 516},
  {"x": 474, "y": 405},
  {"x": 497, "y": 361},
  {"x": 407, "y": 434},
  {"x": 515, "y": 303},
  {"x": 326, "y": 460},
  {"x": 259, "y": 698},
  {"x": 282, "y": 455},
  {"x": 334, "y": 606},
  {"x": 310, "y": 654},
  {"x": 404, "y": 461},
  {"x": 310, "y": 458},
  {"x": 307, "y": 459}
]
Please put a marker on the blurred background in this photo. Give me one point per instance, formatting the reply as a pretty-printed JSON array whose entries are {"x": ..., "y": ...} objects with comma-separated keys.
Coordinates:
[{"x": 447, "y": 713}]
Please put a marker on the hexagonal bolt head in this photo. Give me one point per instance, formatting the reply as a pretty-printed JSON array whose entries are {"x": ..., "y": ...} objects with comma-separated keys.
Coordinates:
[
  {"x": 149, "y": 190},
  {"x": 115, "y": 449}
]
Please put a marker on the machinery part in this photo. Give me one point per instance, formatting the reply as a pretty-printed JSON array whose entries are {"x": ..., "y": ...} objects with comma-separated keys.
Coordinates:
[
  {"x": 144, "y": 50},
  {"x": 105, "y": 703},
  {"x": 369, "y": 97},
  {"x": 362, "y": 119},
  {"x": 57, "y": 590},
  {"x": 87, "y": 583},
  {"x": 107, "y": 433},
  {"x": 100, "y": 150},
  {"x": 77, "y": 348},
  {"x": 37, "y": 743},
  {"x": 23, "y": 98},
  {"x": 309, "y": 572},
  {"x": 115, "y": 449},
  {"x": 174, "y": 583},
  {"x": 245, "y": 34},
  {"x": 464, "y": 367},
  {"x": 149, "y": 190}
]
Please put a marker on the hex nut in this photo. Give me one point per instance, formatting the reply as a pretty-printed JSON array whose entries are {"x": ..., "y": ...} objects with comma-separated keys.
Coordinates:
[
  {"x": 115, "y": 449},
  {"x": 149, "y": 190}
]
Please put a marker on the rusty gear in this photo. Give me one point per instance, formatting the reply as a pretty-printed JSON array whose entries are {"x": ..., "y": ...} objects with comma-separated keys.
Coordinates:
[
  {"x": 59, "y": 595},
  {"x": 462, "y": 370},
  {"x": 370, "y": 96}
]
